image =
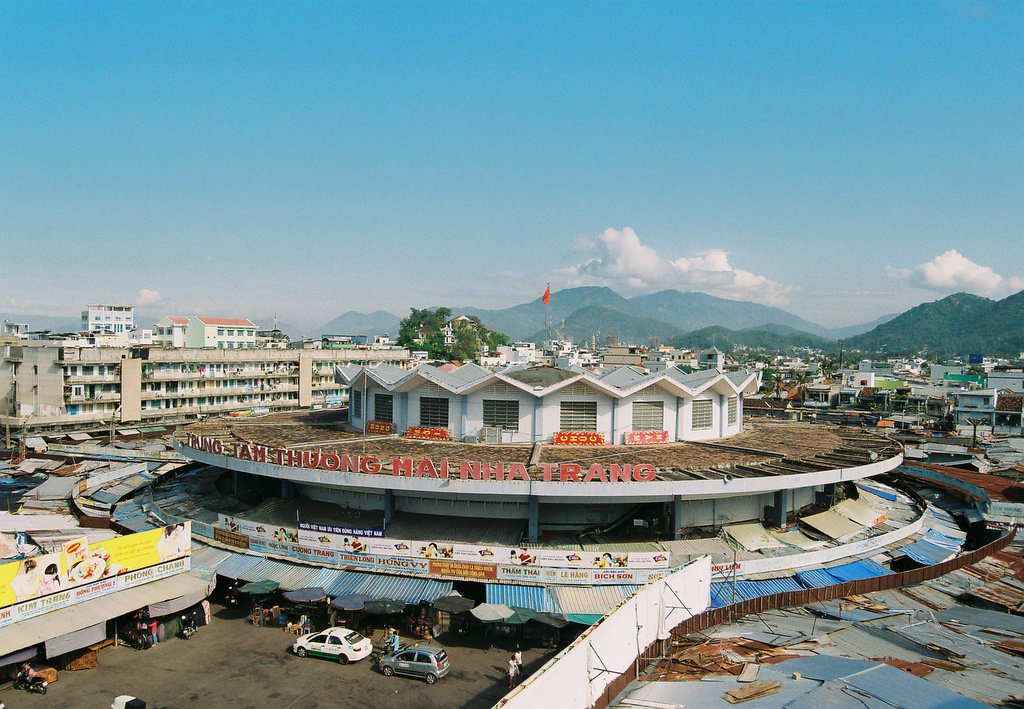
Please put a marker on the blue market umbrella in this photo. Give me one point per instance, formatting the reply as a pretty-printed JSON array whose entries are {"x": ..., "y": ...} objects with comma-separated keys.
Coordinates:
[
  {"x": 350, "y": 602},
  {"x": 306, "y": 595},
  {"x": 384, "y": 606},
  {"x": 259, "y": 588}
]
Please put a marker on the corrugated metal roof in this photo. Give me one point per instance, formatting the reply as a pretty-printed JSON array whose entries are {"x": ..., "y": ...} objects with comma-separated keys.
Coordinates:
[
  {"x": 532, "y": 597},
  {"x": 885, "y": 682},
  {"x": 752, "y": 536},
  {"x": 722, "y": 594},
  {"x": 589, "y": 600}
]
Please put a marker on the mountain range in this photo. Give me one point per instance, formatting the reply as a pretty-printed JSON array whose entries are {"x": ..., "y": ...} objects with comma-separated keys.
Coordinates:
[{"x": 955, "y": 325}]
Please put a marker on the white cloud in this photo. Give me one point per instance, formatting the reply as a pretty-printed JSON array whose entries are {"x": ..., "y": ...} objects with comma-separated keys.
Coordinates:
[
  {"x": 952, "y": 271},
  {"x": 624, "y": 263},
  {"x": 145, "y": 296}
]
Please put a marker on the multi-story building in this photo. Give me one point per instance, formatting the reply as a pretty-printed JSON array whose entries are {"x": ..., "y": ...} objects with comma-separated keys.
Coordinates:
[
  {"x": 206, "y": 332},
  {"x": 49, "y": 386},
  {"x": 14, "y": 329},
  {"x": 108, "y": 318}
]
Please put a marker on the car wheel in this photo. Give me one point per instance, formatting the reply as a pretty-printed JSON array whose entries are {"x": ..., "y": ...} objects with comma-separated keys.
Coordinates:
[
  {"x": 301, "y": 652},
  {"x": 431, "y": 678},
  {"x": 343, "y": 659},
  {"x": 387, "y": 670}
]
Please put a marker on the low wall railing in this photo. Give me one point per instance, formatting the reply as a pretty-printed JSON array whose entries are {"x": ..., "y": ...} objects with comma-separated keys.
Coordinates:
[{"x": 735, "y": 611}]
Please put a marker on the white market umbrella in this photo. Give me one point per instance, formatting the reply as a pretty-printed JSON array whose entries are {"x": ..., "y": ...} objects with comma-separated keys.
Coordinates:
[{"x": 492, "y": 612}]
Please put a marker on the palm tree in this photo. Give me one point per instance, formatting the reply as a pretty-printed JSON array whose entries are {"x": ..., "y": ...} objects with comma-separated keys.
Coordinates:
[
  {"x": 800, "y": 383},
  {"x": 777, "y": 382}
]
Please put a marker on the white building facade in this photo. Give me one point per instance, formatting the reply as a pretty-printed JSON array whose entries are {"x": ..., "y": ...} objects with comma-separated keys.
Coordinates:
[
  {"x": 108, "y": 318},
  {"x": 536, "y": 404}
]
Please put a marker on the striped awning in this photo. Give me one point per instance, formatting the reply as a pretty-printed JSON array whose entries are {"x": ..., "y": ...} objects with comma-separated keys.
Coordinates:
[
  {"x": 589, "y": 600},
  {"x": 400, "y": 588},
  {"x": 535, "y": 598},
  {"x": 237, "y": 564}
]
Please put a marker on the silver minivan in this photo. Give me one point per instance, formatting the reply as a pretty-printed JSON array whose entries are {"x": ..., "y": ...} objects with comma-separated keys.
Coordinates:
[{"x": 427, "y": 661}]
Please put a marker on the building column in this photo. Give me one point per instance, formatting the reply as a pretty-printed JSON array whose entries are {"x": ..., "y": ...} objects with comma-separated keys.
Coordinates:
[
  {"x": 677, "y": 516},
  {"x": 777, "y": 514},
  {"x": 537, "y": 432},
  {"x": 615, "y": 411},
  {"x": 389, "y": 506},
  {"x": 534, "y": 519}
]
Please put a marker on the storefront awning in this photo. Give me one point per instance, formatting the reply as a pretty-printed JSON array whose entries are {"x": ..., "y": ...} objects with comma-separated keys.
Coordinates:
[
  {"x": 535, "y": 598},
  {"x": 590, "y": 600},
  {"x": 76, "y": 640},
  {"x": 51, "y": 625}
]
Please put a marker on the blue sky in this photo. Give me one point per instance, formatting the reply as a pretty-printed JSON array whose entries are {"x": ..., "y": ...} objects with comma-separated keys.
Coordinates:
[{"x": 841, "y": 160}]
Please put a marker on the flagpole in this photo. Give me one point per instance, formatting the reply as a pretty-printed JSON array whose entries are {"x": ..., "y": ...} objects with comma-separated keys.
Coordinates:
[{"x": 547, "y": 310}]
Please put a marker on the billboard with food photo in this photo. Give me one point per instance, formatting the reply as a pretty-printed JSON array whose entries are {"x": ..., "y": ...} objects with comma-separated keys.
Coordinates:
[{"x": 79, "y": 563}]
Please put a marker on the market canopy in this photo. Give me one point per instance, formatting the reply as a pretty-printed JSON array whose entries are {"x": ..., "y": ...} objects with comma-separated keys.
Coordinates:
[
  {"x": 259, "y": 588},
  {"x": 305, "y": 595}
]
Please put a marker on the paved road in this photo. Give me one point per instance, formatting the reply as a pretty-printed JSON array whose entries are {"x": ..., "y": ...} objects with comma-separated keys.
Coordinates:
[{"x": 231, "y": 663}]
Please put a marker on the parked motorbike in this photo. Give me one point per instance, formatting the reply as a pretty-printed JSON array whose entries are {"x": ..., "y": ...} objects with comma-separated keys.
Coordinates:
[
  {"x": 36, "y": 685},
  {"x": 188, "y": 626}
]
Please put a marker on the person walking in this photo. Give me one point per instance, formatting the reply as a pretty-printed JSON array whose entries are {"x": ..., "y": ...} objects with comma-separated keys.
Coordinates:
[
  {"x": 513, "y": 672},
  {"x": 518, "y": 657}
]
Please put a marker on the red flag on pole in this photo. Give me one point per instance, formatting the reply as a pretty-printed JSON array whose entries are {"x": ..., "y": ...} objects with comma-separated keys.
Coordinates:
[{"x": 546, "y": 298}]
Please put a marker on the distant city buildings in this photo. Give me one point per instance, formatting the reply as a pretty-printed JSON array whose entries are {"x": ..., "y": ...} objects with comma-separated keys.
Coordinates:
[{"x": 54, "y": 385}]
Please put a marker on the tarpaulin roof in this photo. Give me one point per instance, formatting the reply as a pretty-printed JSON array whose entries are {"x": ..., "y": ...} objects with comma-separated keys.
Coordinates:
[
  {"x": 856, "y": 570},
  {"x": 832, "y": 524},
  {"x": 752, "y": 536},
  {"x": 798, "y": 539},
  {"x": 926, "y": 553},
  {"x": 532, "y": 597},
  {"x": 860, "y": 512}
]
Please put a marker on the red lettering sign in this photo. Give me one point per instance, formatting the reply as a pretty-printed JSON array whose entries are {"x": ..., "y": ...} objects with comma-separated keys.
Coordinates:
[
  {"x": 645, "y": 438},
  {"x": 578, "y": 438},
  {"x": 428, "y": 434},
  {"x": 383, "y": 428}
]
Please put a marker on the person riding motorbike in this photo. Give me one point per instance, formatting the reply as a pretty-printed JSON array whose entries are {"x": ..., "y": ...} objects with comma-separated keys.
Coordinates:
[{"x": 28, "y": 679}]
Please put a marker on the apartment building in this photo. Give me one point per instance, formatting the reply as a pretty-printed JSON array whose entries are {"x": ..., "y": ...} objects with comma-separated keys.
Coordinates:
[
  {"x": 200, "y": 331},
  {"x": 108, "y": 318},
  {"x": 46, "y": 386}
]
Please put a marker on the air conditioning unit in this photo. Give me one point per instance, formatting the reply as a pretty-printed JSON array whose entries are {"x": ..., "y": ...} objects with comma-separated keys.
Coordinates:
[{"x": 491, "y": 434}]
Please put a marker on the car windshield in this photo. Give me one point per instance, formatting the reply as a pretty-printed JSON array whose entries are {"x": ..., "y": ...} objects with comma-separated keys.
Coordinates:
[{"x": 353, "y": 637}]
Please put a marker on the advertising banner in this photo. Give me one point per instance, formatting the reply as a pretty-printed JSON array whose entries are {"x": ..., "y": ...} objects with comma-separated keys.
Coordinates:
[{"x": 80, "y": 571}]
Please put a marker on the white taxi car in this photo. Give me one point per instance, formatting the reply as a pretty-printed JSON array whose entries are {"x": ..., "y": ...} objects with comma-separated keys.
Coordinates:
[{"x": 339, "y": 644}]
